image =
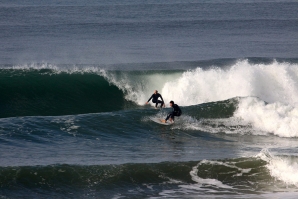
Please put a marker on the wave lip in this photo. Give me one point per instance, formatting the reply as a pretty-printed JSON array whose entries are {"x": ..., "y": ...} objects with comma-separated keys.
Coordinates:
[{"x": 283, "y": 168}]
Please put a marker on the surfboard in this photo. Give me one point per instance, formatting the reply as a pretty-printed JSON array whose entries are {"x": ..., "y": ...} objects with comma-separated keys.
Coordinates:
[
  {"x": 158, "y": 107},
  {"x": 159, "y": 121}
]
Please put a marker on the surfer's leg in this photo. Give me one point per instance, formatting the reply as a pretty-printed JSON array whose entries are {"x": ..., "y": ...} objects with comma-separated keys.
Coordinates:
[
  {"x": 175, "y": 114},
  {"x": 161, "y": 105},
  {"x": 170, "y": 115},
  {"x": 158, "y": 101}
]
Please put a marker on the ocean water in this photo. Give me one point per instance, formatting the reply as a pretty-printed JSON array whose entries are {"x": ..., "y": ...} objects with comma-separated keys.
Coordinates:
[{"x": 75, "y": 75}]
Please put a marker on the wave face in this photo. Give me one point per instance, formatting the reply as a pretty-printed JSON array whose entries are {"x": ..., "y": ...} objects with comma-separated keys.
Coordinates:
[
  {"x": 48, "y": 92},
  {"x": 60, "y": 90}
]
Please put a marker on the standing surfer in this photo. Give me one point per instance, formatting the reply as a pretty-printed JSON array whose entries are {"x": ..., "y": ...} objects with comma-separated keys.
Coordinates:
[
  {"x": 155, "y": 100},
  {"x": 176, "y": 112}
]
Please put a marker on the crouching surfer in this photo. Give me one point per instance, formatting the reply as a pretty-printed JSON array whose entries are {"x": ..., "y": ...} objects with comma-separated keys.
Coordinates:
[
  {"x": 176, "y": 112},
  {"x": 155, "y": 100}
]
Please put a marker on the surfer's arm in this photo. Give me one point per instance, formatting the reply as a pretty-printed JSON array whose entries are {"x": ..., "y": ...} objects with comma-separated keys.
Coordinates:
[
  {"x": 149, "y": 99},
  {"x": 161, "y": 98}
]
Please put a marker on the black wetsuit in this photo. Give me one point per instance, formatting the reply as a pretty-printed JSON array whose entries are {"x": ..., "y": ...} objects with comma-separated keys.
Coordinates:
[
  {"x": 155, "y": 100},
  {"x": 176, "y": 112}
]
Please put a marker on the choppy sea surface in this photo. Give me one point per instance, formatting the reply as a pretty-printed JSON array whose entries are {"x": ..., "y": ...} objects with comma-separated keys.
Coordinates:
[{"x": 75, "y": 75}]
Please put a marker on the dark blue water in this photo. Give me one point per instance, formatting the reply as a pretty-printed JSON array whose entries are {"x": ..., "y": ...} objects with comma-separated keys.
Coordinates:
[
  {"x": 75, "y": 76},
  {"x": 107, "y": 32}
]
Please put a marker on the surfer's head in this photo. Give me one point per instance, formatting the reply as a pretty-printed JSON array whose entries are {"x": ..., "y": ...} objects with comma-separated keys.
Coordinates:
[
  {"x": 171, "y": 103},
  {"x": 155, "y": 91}
]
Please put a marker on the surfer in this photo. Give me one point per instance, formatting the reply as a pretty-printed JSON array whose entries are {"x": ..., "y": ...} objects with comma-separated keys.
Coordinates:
[
  {"x": 155, "y": 100},
  {"x": 176, "y": 112}
]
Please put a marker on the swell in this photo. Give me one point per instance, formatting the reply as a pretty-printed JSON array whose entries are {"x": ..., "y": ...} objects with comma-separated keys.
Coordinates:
[
  {"x": 250, "y": 175},
  {"x": 129, "y": 180}
]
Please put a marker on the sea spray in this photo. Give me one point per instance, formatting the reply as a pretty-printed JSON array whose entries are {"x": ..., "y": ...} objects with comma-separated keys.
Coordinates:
[
  {"x": 267, "y": 81},
  {"x": 276, "y": 118}
]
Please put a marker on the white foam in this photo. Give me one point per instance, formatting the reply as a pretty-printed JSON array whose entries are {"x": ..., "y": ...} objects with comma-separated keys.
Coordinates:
[
  {"x": 34, "y": 67},
  {"x": 271, "y": 82},
  {"x": 67, "y": 124},
  {"x": 207, "y": 181},
  {"x": 276, "y": 118},
  {"x": 284, "y": 168},
  {"x": 253, "y": 116},
  {"x": 276, "y": 83}
]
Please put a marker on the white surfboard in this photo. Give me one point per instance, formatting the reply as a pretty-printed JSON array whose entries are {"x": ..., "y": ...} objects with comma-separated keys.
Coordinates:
[{"x": 159, "y": 121}]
